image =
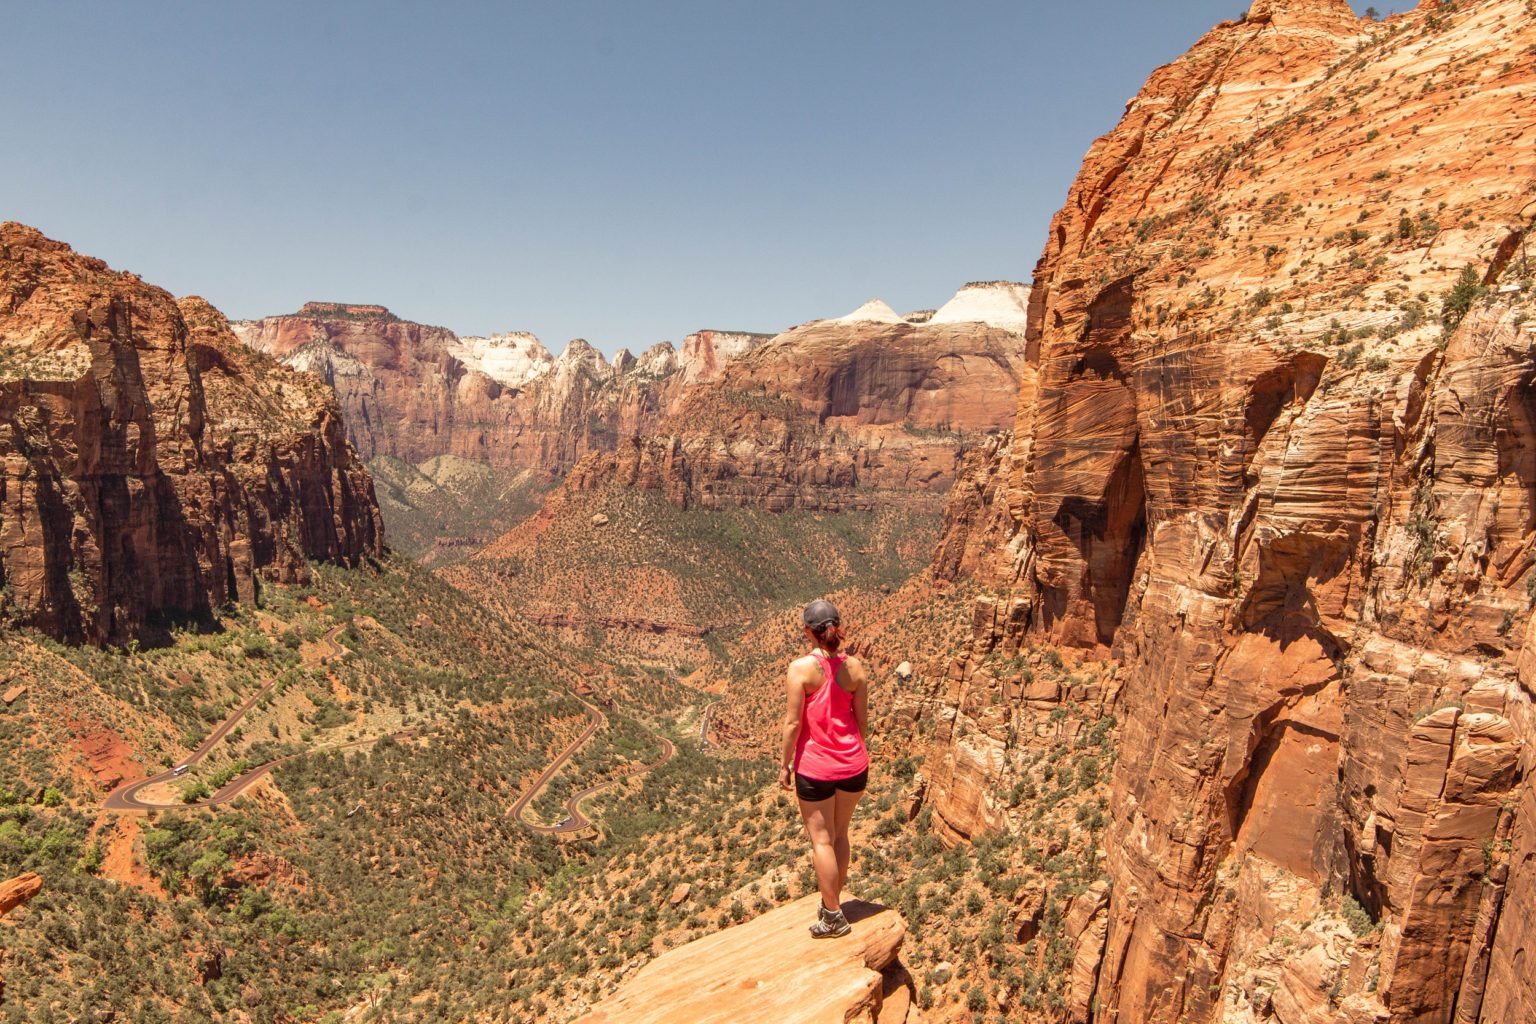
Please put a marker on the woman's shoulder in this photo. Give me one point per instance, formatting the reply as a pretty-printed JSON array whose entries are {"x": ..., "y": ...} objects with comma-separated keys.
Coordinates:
[
  {"x": 855, "y": 669},
  {"x": 805, "y": 666}
]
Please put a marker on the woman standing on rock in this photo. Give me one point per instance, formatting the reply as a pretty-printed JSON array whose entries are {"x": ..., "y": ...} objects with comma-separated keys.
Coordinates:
[{"x": 826, "y": 717}]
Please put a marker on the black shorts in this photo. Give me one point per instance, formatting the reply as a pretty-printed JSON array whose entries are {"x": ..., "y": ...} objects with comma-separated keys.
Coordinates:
[{"x": 815, "y": 790}]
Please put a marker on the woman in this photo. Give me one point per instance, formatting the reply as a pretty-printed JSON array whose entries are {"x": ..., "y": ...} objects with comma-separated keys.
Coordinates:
[{"x": 826, "y": 716}]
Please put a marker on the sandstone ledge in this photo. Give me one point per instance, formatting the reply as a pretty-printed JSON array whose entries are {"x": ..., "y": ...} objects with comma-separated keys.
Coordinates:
[{"x": 770, "y": 971}]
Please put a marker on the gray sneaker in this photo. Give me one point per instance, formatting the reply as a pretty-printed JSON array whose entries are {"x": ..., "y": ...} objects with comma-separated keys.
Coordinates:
[{"x": 830, "y": 924}]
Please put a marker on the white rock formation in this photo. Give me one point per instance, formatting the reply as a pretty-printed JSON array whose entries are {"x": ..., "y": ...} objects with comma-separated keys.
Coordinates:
[
  {"x": 512, "y": 360},
  {"x": 705, "y": 352},
  {"x": 657, "y": 361},
  {"x": 1003, "y": 304},
  {"x": 875, "y": 310}
]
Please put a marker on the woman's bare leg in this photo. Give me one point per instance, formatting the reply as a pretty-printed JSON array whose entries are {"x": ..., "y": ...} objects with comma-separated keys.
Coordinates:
[
  {"x": 842, "y": 815},
  {"x": 818, "y": 817}
]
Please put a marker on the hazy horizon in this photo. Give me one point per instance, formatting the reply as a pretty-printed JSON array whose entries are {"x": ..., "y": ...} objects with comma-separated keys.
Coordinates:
[{"x": 597, "y": 170}]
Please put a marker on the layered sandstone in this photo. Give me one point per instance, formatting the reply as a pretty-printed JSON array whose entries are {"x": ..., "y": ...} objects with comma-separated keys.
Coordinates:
[
  {"x": 153, "y": 465},
  {"x": 1262, "y": 458},
  {"x": 770, "y": 971},
  {"x": 414, "y": 392}
]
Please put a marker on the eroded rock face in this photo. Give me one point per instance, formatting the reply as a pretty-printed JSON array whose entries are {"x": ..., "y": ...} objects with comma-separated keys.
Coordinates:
[
  {"x": 414, "y": 392},
  {"x": 153, "y": 465},
  {"x": 770, "y": 971},
  {"x": 1246, "y": 462},
  {"x": 831, "y": 415}
]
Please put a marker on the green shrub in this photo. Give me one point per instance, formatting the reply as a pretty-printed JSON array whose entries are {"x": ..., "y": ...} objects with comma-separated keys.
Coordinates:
[
  {"x": 1458, "y": 301},
  {"x": 1357, "y": 917}
]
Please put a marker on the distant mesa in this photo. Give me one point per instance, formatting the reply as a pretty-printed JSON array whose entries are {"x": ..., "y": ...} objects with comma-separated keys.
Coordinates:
[
  {"x": 412, "y": 391},
  {"x": 346, "y": 310}
]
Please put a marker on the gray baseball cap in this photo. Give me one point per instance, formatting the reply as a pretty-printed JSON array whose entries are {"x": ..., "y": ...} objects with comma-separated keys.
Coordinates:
[{"x": 820, "y": 613}]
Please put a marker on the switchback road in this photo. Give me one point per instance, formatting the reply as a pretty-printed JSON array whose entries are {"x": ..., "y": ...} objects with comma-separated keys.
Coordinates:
[
  {"x": 126, "y": 799},
  {"x": 517, "y": 809},
  {"x": 126, "y": 796},
  {"x": 575, "y": 821}
]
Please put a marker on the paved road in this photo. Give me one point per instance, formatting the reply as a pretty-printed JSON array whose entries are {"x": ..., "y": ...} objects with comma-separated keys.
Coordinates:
[
  {"x": 517, "y": 809},
  {"x": 578, "y": 820},
  {"x": 125, "y": 797},
  {"x": 575, "y": 821},
  {"x": 336, "y": 652},
  {"x": 704, "y": 723}
]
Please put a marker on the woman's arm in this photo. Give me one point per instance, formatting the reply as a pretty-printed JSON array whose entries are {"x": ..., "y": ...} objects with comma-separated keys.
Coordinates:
[
  {"x": 794, "y": 703},
  {"x": 860, "y": 695}
]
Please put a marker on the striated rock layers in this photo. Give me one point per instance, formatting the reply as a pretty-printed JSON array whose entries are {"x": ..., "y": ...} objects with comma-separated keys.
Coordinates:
[
  {"x": 415, "y": 392},
  {"x": 1276, "y": 449},
  {"x": 832, "y": 415},
  {"x": 152, "y": 464},
  {"x": 770, "y": 971}
]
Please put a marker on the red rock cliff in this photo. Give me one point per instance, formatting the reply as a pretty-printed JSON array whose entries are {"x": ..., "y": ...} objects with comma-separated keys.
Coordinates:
[
  {"x": 152, "y": 463},
  {"x": 414, "y": 392},
  {"x": 1261, "y": 456}
]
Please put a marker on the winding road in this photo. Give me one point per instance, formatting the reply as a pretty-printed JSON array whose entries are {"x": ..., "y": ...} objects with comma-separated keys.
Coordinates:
[
  {"x": 126, "y": 796},
  {"x": 575, "y": 821},
  {"x": 126, "y": 799}
]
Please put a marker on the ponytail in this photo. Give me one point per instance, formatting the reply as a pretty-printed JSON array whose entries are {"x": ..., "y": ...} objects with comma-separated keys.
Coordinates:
[{"x": 830, "y": 637}]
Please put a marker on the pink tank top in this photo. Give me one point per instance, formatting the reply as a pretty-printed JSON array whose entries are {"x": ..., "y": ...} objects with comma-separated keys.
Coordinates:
[{"x": 830, "y": 745}]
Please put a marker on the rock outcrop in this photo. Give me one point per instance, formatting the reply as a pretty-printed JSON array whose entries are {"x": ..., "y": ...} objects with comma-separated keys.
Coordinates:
[
  {"x": 14, "y": 893},
  {"x": 770, "y": 971},
  {"x": 152, "y": 464},
  {"x": 414, "y": 392},
  {"x": 1274, "y": 451}
]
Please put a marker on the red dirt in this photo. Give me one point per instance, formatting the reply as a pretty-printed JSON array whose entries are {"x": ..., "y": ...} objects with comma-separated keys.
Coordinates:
[
  {"x": 108, "y": 755},
  {"x": 121, "y": 863}
]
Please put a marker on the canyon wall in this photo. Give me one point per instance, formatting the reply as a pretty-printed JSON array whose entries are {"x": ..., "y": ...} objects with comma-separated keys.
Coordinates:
[
  {"x": 1274, "y": 452},
  {"x": 153, "y": 465},
  {"x": 415, "y": 392},
  {"x": 832, "y": 415}
]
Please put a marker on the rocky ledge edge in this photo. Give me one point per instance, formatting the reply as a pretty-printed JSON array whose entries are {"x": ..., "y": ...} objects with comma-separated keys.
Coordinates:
[{"x": 770, "y": 971}]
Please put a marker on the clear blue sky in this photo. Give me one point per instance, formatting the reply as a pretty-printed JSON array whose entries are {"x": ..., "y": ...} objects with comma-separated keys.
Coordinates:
[{"x": 623, "y": 171}]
